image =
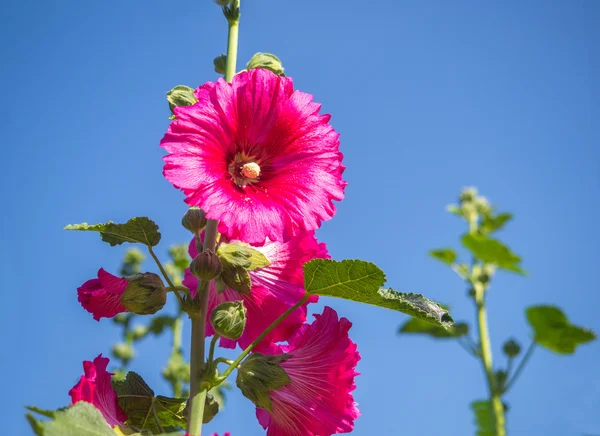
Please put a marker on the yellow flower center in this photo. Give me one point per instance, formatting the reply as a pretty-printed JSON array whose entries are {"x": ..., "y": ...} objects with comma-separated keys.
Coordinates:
[{"x": 251, "y": 170}]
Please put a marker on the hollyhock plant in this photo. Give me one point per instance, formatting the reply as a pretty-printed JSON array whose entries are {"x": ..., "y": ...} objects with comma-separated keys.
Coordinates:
[
  {"x": 256, "y": 155},
  {"x": 318, "y": 401},
  {"x": 102, "y": 296},
  {"x": 275, "y": 289},
  {"x": 94, "y": 387}
]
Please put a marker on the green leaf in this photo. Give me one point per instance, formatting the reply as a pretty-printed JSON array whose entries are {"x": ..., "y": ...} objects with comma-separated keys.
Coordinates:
[
  {"x": 138, "y": 229},
  {"x": 492, "y": 251},
  {"x": 82, "y": 419},
  {"x": 361, "y": 281},
  {"x": 419, "y": 326},
  {"x": 43, "y": 412},
  {"x": 36, "y": 425},
  {"x": 159, "y": 323},
  {"x": 446, "y": 255},
  {"x": 491, "y": 223},
  {"x": 554, "y": 331},
  {"x": 484, "y": 418},
  {"x": 144, "y": 410}
]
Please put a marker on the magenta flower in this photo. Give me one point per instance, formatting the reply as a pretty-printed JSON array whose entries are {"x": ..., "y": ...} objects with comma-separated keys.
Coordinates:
[
  {"x": 102, "y": 296},
  {"x": 257, "y": 156},
  {"x": 318, "y": 401},
  {"x": 275, "y": 289},
  {"x": 94, "y": 387}
]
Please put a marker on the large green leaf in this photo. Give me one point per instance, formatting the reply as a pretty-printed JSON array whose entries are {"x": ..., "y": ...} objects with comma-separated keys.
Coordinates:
[
  {"x": 361, "y": 281},
  {"x": 446, "y": 255},
  {"x": 554, "y": 331},
  {"x": 491, "y": 250},
  {"x": 144, "y": 410},
  {"x": 419, "y": 326},
  {"x": 82, "y": 419},
  {"x": 138, "y": 229}
]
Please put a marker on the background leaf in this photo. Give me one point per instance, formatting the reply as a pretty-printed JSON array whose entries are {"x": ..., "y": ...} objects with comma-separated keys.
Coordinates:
[
  {"x": 446, "y": 255},
  {"x": 484, "y": 419},
  {"x": 554, "y": 331},
  {"x": 491, "y": 250},
  {"x": 138, "y": 229}
]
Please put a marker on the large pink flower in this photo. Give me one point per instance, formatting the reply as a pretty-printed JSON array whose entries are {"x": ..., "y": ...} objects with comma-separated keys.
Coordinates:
[
  {"x": 94, "y": 387},
  {"x": 318, "y": 401},
  {"x": 275, "y": 289},
  {"x": 102, "y": 296},
  {"x": 256, "y": 155}
]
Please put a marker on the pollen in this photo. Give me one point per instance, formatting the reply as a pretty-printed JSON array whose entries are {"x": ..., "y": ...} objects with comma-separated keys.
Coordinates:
[{"x": 251, "y": 170}]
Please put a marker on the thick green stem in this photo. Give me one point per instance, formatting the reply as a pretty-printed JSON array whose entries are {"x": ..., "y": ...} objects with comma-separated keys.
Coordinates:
[
  {"x": 486, "y": 358},
  {"x": 176, "y": 385},
  {"x": 232, "y": 43},
  {"x": 268, "y": 330},
  {"x": 197, "y": 389}
]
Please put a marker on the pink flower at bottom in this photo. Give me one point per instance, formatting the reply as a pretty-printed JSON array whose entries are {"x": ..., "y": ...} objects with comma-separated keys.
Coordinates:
[
  {"x": 257, "y": 156},
  {"x": 318, "y": 401},
  {"x": 102, "y": 296},
  {"x": 275, "y": 288},
  {"x": 94, "y": 387}
]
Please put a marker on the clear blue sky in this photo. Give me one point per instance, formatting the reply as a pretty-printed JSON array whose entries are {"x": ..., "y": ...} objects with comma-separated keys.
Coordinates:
[{"x": 429, "y": 96}]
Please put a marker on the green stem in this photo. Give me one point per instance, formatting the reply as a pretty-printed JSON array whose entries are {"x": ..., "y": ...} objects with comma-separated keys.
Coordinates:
[
  {"x": 486, "y": 358},
  {"x": 232, "y": 43},
  {"x": 268, "y": 330},
  {"x": 177, "y": 334},
  {"x": 198, "y": 389},
  {"x": 211, "y": 351},
  {"x": 522, "y": 364},
  {"x": 165, "y": 275}
]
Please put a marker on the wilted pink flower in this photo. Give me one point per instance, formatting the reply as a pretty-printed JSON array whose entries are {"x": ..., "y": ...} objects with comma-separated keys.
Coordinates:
[
  {"x": 275, "y": 289},
  {"x": 318, "y": 401},
  {"x": 102, "y": 296},
  {"x": 256, "y": 155},
  {"x": 94, "y": 387}
]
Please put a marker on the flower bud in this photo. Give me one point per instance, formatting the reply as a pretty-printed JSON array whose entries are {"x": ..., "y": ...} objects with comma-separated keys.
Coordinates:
[
  {"x": 468, "y": 194},
  {"x": 268, "y": 61},
  {"x": 181, "y": 95},
  {"x": 123, "y": 352},
  {"x": 206, "y": 266},
  {"x": 220, "y": 63},
  {"x": 145, "y": 294},
  {"x": 194, "y": 220},
  {"x": 211, "y": 408},
  {"x": 229, "y": 319},
  {"x": 511, "y": 348},
  {"x": 258, "y": 375}
]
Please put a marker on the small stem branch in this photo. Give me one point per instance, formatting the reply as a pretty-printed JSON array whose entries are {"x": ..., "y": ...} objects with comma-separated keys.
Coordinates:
[
  {"x": 521, "y": 366},
  {"x": 166, "y": 276},
  {"x": 257, "y": 341},
  {"x": 467, "y": 347},
  {"x": 211, "y": 351}
]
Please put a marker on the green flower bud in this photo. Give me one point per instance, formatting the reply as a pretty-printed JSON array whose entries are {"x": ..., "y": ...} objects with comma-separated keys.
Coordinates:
[
  {"x": 268, "y": 61},
  {"x": 501, "y": 377},
  {"x": 229, "y": 319},
  {"x": 206, "y": 266},
  {"x": 145, "y": 294},
  {"x": 138, "y": 332},
  {"x": 236, "y": 278},
  {"x": 181, "y": 95},
  {"x": 258, "y": 375},
  {"x": 123, "y": 352},
  {"x": 194, "y": 220},
  {"x": 511, "y": 348},
  {"x": 211, "y": 408},
  {"x": 220, "y": 63},
  {"x": 468, "y": 194}
]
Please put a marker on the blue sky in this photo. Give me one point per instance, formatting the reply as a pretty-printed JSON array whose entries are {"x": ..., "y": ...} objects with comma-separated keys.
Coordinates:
[{"x": 429, "y": 96}]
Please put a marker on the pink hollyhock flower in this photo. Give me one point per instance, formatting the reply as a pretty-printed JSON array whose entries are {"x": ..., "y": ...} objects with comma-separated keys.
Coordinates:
[
  {"x": 94, "y": 387},
  {"x": 318, "y": 401},
  {"x": 102, "y": 296},
  {"x": 275, "y": 289},
  {"x": 257, "y": 156}
]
